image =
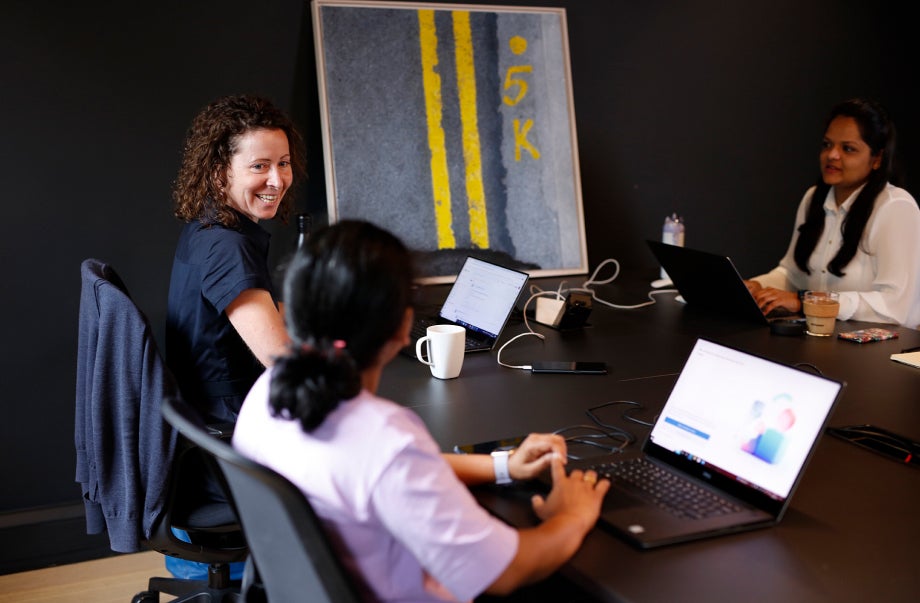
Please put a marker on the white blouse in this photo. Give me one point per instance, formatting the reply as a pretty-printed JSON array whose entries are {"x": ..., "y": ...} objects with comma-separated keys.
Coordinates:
[{"x": 882, "y": 281}]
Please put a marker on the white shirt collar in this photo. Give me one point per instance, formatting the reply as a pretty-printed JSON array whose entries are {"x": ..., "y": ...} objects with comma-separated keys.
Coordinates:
[{"x": 830, "y": 202}]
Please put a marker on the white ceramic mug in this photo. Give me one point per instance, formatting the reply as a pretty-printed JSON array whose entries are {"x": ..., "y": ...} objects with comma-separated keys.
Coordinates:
[{"x": 445, "y": 347}]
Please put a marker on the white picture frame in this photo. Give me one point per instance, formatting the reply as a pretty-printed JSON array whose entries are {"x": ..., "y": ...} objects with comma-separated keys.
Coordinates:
[{"x": 453, "y": 126}]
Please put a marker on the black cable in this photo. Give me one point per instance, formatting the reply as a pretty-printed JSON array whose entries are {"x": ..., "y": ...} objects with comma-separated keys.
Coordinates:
[
  {"x": 590, "y": 439},
  {"x": 626, "y": 413},
  {"x": 810, "y": 366}
]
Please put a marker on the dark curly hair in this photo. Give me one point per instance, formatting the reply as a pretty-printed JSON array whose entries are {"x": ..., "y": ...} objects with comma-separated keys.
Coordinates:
[
  {"x": 877, "y": 131},
  {"x": 210, "y": 144},
  {"x": 346, "y": 292}
]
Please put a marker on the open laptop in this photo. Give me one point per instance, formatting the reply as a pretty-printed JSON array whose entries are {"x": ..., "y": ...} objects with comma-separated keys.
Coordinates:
[
  {"x": 481, "y": 300},
  {"x": 708, "y": 281},
  {"x": 738, "y": 428}
]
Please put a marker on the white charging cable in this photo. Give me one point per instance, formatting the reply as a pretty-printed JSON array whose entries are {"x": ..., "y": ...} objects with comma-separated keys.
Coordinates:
[
  {"x": 586, "y": 288},
  {"x": 560, "y": 293},
  {"x": 529, "y": 331}
]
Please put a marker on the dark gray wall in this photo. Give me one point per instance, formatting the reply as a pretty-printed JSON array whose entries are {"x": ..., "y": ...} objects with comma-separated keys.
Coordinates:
[
  {"x": 712, "y": 109},
  {"x": 96, "y": 100}
]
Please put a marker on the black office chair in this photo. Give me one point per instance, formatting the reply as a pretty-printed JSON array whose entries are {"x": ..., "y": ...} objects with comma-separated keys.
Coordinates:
[
  {"x": 135, "y": 472},
  {"x": 213, "y": 530},
  {"x": 292, "y": 554}
]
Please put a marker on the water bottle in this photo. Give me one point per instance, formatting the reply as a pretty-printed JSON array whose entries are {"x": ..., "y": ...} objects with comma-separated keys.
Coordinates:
[
  {"x": 672, "y": 234},
  {"x": 304, "y": 224}
]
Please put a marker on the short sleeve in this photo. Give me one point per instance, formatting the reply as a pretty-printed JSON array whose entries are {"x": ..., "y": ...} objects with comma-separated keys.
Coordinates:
[
  {"x": 233, "y": 264},
  {"x": 435, "y": 516}
]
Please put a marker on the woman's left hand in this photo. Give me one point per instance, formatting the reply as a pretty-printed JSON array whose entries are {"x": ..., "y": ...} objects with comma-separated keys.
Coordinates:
[
  {"x": 770, "y": 299},
  {"x": 534, "y": 455}
]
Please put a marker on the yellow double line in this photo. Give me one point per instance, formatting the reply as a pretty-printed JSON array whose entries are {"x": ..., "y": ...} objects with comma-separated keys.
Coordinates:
[{"x": 434, "y": 106}]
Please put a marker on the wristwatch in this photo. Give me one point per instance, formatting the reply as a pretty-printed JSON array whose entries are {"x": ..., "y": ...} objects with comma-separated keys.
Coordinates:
[{"x": 500, "y": 462}]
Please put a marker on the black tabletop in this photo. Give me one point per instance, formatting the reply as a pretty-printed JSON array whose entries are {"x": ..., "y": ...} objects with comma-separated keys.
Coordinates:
[{"x": 853, "y": 525}]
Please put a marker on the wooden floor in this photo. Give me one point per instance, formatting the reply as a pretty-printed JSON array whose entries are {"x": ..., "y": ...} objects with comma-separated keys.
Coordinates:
[{"x": 110, "y": 580}]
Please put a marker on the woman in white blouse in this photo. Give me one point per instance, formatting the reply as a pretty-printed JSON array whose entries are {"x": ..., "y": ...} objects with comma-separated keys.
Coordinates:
[{"x": 855, "y": 232}]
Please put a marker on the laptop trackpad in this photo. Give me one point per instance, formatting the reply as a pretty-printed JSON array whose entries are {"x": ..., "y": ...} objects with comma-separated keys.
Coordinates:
[{"x": 619, "y": 499}]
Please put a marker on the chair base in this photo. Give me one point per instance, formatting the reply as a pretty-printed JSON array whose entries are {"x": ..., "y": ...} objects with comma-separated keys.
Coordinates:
[
  {"x": 218, "y": 588},
  {"x": 209, "y": 596}
]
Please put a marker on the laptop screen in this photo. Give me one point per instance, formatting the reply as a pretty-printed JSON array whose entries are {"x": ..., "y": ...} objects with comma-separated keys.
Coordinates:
[
  {"x": 483, "y": 296},
  {"x": 747, "y": 418}
]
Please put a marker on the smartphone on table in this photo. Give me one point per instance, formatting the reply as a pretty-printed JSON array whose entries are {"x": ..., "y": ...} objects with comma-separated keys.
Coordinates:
[
  {"x": 567, "y": 367},
  {"x": 490, "y": 446}
]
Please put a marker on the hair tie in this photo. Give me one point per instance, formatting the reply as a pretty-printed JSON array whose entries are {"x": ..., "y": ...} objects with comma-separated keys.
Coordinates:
[
  {"x": 302, "y": 349},
  {"x": 324, "y": 347}
]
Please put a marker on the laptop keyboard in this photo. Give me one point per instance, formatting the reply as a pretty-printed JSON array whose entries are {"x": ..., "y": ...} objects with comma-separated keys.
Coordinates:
[
  {"x": 420, "y": 329},
  {"x": 667, "y": 490},
  {"x": 420, "y": 326}
]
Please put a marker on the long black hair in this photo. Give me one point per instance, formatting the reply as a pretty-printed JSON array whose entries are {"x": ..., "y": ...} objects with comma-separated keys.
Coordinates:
[
  {"x": 877, "y": 131},
  {"x": 346, "y": 292}
]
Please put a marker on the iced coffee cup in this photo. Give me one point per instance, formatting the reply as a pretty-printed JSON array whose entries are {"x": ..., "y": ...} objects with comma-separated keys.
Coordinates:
[{"x": 820, "y": 309}]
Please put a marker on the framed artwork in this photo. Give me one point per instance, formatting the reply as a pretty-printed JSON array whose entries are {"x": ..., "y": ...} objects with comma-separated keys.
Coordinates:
[{"x": 453, "y": 127}]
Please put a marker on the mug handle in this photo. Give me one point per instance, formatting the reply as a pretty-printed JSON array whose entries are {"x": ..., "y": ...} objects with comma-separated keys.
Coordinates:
[{"x": 418, "y": 350}]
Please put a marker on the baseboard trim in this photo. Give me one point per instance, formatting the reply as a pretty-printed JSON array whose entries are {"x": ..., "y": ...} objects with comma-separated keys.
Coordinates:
[
  {"x": 46, "y": 537},
  {"x": 41, "y": 515}
]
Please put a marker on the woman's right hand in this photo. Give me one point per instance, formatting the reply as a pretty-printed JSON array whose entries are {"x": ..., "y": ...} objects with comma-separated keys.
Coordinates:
[
  {"x": 578, "y": 494},
  {"x": 569, "y": 512}
]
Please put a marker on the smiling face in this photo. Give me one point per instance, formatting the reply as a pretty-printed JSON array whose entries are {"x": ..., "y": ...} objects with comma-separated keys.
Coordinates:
[
  {"x": 259, "y": 174},
  {"x": 846, "y": 160}
]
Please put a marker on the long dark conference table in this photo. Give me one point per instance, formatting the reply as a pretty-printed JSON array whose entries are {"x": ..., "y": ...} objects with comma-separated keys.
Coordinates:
[{"x": 853, "y": 530}]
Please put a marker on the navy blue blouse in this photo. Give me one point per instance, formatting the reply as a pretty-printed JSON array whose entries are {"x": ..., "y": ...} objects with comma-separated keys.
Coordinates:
[{"x": 212, "y": 266}]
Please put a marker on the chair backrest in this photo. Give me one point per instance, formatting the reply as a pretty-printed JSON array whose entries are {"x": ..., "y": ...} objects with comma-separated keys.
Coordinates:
[
  {"x": 121, "y": 379},
  {"x": 128, "y": 457},
  {"x": 287, "y": 541}
]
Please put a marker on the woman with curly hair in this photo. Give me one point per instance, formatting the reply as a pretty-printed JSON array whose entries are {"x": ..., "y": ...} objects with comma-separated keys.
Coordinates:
[{"x": 240, "y": 161}]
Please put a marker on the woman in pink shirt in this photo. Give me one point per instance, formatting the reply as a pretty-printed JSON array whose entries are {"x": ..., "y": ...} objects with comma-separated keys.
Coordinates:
[{"x": 398, "y": 509}]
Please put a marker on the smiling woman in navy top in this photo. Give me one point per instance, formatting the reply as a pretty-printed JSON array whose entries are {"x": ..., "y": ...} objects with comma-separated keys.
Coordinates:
[{"x": 241, "y": 158}]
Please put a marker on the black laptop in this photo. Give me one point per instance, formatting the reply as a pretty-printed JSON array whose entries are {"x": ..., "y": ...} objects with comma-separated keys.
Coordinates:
[
  {"x": 724, "y": 455},
  {"x": 481, "y": 300},
  {"x": 708, "y": 281}
]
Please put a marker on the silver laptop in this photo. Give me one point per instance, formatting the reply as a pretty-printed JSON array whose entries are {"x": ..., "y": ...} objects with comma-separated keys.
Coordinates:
[
  {"x": 734, "y": 438},
  {"x": 481, "y": 300}
]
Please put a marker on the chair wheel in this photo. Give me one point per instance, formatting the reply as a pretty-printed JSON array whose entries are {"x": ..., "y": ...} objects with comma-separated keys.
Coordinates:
[{"x": 147, "y": 596}]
